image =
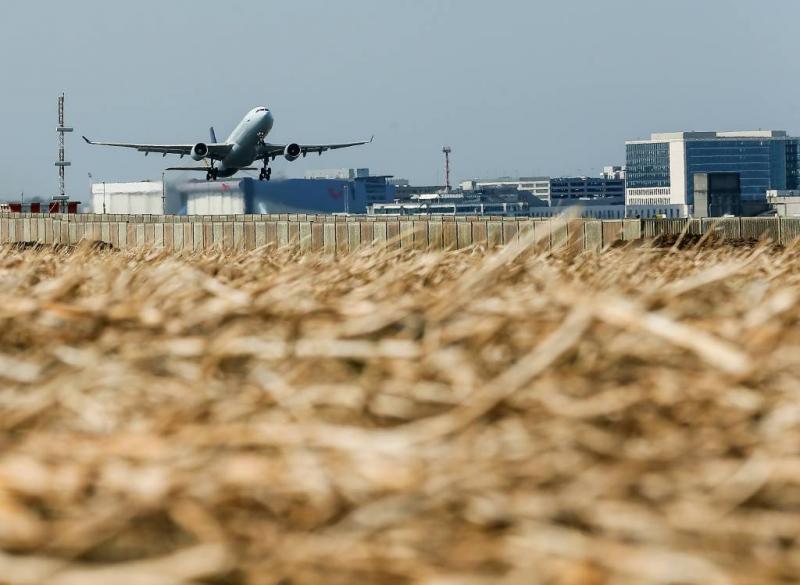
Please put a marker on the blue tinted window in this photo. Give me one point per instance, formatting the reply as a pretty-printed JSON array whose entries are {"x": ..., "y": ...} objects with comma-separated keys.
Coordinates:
[
  {"x": 761, "y": 164},
  {"x": 648, "y": 165},
  {"x": 793, "y": 164}
]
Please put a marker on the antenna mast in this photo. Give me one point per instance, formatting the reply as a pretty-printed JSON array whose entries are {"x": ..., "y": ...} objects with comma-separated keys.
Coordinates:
[
  {"x": 447, "y": 150},
  {"x": 62, "y": 163}
]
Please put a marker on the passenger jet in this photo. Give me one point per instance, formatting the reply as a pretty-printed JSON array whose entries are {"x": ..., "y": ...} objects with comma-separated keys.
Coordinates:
[{"x": 243, "y": 147}]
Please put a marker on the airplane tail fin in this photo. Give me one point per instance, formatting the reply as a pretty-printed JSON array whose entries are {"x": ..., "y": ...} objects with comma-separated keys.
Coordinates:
[{"x": 213, "y": 135}]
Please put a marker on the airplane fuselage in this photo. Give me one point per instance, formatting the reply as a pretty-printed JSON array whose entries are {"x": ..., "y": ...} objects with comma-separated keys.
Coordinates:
[{"x": 245, "y": 138}]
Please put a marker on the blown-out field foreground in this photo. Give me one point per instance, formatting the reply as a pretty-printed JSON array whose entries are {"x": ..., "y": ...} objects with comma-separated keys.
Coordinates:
[{"x": 398, "y": 418}]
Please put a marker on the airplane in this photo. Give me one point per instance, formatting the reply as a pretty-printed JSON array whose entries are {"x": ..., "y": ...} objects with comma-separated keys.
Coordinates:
[{"x": 243, "y": 147}]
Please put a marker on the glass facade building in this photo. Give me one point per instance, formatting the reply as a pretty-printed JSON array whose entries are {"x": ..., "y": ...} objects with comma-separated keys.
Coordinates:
[
  {"x": 648, "y": 165},
  {"x": 761, "y": 164},
  {"x": 667, "y": 163}
]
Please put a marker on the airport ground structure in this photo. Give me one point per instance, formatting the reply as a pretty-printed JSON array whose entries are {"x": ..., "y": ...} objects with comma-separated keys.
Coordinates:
[{"x": 343, "y": 234}]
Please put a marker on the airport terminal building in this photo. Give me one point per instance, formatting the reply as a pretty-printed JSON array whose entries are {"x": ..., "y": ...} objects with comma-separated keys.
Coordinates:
[{"x": 660, "y": 171}]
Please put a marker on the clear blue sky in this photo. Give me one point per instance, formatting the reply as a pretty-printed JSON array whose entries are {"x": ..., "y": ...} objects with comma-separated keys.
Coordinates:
[{"x": 514, "y": 86}]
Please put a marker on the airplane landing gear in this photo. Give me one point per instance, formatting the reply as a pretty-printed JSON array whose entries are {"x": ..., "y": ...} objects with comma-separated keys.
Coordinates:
[
  {"x": 212, "y": 174},
  {"x": 265, "y": 174}
]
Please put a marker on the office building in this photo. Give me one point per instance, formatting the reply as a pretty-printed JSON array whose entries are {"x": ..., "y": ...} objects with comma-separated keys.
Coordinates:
[
  {"x": 550, "y": 190},
  {"x": 660, "y": 171}
]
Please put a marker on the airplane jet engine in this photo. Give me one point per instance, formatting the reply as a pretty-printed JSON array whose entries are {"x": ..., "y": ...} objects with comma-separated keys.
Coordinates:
[
  {"x": 292, "y": 152},
  {"x": 199, "y": 151}
]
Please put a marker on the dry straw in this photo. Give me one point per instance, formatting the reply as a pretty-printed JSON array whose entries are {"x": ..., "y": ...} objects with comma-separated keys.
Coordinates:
[{"x": 440, "y": 418}]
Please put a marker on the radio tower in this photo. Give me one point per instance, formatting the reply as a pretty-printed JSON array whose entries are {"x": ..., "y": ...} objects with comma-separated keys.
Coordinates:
[
  {"x": 447, "y": 150},
  {"x": 62, "y": 163}
]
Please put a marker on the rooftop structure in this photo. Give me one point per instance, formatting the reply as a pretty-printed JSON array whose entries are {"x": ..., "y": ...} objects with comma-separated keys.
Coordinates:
[
  {"x": 407, "y": 192},
  {"x": 669, "y": 136},
  {"x": 338, "y": 174},
  {"x": 614, "y": 172}
]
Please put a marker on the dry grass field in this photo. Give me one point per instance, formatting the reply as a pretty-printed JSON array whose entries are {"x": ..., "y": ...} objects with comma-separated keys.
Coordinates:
[{"x": 399, "y": 418}]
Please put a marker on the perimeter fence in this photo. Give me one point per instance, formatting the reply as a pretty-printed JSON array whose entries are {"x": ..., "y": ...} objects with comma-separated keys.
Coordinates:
[{"x": 339, "y": 234}]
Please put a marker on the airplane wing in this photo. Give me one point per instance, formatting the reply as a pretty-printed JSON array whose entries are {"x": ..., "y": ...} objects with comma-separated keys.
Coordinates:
[
  {"x": 215, "y": 151},
  {"x": 275, "y": 150}
]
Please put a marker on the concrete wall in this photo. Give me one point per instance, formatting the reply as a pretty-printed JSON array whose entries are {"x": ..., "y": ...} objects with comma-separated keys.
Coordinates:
[{"x": 337, "y": 234}]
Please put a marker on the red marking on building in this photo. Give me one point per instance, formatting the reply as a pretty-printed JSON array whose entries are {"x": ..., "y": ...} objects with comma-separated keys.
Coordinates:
[{"x": 55, "y": 206}]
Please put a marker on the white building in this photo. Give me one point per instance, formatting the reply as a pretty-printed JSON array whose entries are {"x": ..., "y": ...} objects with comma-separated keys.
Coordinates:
[
  {"x": 538, "y": 186},
  {"x": 142, "y": 198},
  {"x": 614, "y": 172},
  {"x": 785, "y": 203}
]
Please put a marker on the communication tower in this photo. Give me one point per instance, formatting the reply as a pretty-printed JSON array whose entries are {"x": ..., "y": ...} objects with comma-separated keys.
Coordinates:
[
  {"x": 62, "y": 163},
  {"x": 447, "y": 150}
]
